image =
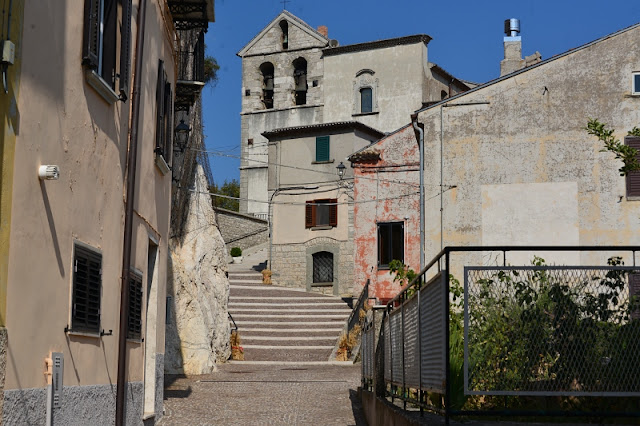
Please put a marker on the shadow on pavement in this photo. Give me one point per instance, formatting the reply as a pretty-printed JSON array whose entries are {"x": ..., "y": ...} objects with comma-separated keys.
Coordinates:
[
  {"x": 173, "y": 389},
  {"x": 356, "y": 408}
]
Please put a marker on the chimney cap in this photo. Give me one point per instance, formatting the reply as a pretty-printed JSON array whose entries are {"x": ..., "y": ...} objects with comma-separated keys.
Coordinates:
[{"x": 512, "y": 27}]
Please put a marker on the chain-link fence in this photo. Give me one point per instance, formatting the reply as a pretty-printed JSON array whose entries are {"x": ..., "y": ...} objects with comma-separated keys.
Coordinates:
[{"x": 551, "y": 330}]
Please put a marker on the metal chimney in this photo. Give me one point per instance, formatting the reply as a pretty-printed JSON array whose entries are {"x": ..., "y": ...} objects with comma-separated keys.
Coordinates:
[{"x": 512, "y": 27}]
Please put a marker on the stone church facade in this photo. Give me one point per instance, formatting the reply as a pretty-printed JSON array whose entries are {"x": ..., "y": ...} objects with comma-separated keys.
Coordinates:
[{"x": 295, "y": 75}]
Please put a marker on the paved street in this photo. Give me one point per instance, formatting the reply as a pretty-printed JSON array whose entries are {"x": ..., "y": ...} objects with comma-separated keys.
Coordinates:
[{"x": 258, "y": 394}]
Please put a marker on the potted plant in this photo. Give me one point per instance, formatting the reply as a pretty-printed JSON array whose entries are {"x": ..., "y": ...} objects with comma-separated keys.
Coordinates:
[{"x": 236, "y": 254}]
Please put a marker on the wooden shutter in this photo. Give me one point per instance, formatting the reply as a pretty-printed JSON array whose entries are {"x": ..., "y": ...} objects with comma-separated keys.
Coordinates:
[
  {"x": 633, "y": 178},
  {"x": 125, "y": 50},
  {"x": 87, "y": 287},
  {"x": 109, "y": 42},
  {"x": 322, "y": 148},
  {"x": 90, "y": 45},
  {"x": 310, "y": 215},
  {"x": 333, "y": 212},
  {"x": 168, "y": 122},
  {"x": 160, "y": 86},
  {"x": 134, "y": 317}
]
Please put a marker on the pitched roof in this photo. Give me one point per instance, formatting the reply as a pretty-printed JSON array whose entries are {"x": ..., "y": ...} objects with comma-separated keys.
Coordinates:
[
  {"x": 314, "y": 128},
  {"x": 378, "y": 44},
  {"x": 285, "y": 14},
  {"x": 539, "y": 64},
  {"x": 369, "y": 153}
]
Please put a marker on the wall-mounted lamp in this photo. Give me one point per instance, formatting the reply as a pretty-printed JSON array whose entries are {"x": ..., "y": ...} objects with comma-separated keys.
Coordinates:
[
  {"x": 182, "y": 135},
  {"x": 341, "y": 168},
  {"x": 49, "y": 172}
]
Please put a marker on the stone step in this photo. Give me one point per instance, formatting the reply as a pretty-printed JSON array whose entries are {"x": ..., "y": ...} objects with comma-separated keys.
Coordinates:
[
  {"x": 288, "y": 330},
  {"x": 292, "y": 363},
  {"x": 292, "y": 309},
  {"x": 277, "y": 303},
  {"x": 255, "y": 354},
  {"x": 287, "y": 341},
  {"x": 287, "y": 299},
  {"x": 285, "y": 316},
  {"x": 275, "y": 324}
]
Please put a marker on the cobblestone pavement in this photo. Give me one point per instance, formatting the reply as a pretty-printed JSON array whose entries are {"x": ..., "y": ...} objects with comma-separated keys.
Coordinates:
[{"x": 252, "y": 394}]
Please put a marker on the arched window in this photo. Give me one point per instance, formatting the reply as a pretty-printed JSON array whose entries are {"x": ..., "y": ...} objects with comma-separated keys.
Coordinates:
[
  {"x": 366, "y": 99},
  {"x": 323, "y": 267},
  {"x": 300, "y": 79},
  {"x": 267, "y": 84},
  {"x": 284, "y": 26},
  {"x": 365, "y": 92}
]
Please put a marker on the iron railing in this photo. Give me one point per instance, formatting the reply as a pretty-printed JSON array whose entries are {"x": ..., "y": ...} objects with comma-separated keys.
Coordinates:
[
  {"x": 354, "y": 318},
  {"x": 191, "y": 67},
  {"x": 512, "y": 337},
  {"x": 235, "y": 326}
]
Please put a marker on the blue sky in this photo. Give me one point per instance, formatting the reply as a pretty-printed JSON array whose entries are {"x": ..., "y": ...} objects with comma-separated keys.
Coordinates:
[{"x": 467, "y": 41}]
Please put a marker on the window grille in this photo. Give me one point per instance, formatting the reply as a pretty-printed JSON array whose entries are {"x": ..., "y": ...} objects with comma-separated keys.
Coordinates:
[
  {"x": 323, "y": 267},
  {"x": 87, "y": 287}
]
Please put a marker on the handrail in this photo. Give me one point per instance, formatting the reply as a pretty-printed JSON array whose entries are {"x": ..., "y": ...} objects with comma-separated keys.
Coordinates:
[
  {"x": 355, "y": 312},
  {"x": 504, "y": 249},
  {"x": 235, "y": 326}
]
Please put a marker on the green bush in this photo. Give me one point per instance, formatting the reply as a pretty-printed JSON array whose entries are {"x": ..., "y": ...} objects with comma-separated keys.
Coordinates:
[{"x": 236, "y": 252}]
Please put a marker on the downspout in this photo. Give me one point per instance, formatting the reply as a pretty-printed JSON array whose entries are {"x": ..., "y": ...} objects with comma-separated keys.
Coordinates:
[
  {"x": 414, "y": 122},
  {"x": 441, "y": 179},
  {"x": 132, "y": 159}
]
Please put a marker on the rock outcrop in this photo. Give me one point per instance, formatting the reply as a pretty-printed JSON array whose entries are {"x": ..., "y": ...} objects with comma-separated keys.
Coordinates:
[{"x": 198, "y": 329}]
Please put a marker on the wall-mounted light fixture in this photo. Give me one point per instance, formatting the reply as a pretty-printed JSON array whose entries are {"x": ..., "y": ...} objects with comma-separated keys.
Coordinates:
[
  {"x": 49, "y": 172},
  {"x": 341, "y": 168},
  {"x": 182, "y": 135}
]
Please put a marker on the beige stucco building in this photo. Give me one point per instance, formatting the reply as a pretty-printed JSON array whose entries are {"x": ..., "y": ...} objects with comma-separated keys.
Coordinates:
[
  {"x": 294, "y": 75},
  {"x": 87, "y": 103},
  {"x": 311, "y": 204},
  {"x": 511, "y": 162}
]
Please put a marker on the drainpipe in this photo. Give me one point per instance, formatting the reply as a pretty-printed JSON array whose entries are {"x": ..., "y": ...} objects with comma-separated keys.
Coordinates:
[
  {"x": 132, "y": 158},
  {"x": 275, "y": 192},
  {"x": 414, "y": 122}
]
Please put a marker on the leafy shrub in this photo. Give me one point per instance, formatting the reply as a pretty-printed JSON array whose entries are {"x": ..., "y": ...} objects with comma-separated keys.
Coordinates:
[{"x": 236, "y": 252}]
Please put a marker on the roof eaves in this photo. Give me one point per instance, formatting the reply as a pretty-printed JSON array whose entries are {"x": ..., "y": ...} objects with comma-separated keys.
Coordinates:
[
  {"x": 378, "y": 44},
  {"x": 380, "y": 140},
  {"x": 520, "y": 71},
  {"x": 340, "y": 125}
]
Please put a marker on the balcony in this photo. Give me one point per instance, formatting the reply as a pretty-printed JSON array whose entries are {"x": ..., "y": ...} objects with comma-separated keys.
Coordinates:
[
  {"x": 190, "y": 69},
  {"x": 191, "y": 14}
]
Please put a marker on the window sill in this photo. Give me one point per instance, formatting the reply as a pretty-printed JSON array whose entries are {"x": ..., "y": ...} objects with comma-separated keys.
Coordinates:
[
  {"x": 162, "y": 164},
  {"x": 633, "y": 197},
  {"x": 633, "y": 95},
  {"x": 321, "y": 228},
  {"x": 135, "y": 341},
  {"x": 359, "y": 114},
  {"x": 327, "y": 284},
  {"x": 101, "y": 86},
  {"x": 323, "y": 162},
  {"x": 84, "y": 334},
  {"x": 147, "y": 416}
]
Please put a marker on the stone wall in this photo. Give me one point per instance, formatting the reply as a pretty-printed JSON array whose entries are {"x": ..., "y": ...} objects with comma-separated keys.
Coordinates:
[
  {"x": 241, "y": 230},
  {"x": 81, "y": 405}
]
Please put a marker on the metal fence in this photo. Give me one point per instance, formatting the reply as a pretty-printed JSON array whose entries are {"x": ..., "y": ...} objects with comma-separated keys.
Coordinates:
[{"x": 512, "y": 337}]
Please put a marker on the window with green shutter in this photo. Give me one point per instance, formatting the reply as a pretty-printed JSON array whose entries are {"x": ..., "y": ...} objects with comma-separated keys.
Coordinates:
[{"x": 322, "y": 148}]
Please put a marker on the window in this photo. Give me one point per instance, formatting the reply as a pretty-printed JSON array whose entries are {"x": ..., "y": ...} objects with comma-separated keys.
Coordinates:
[
  {"x": 634, "y": 295},
  {"x": 365, "y": 93},
  {"x": 300, "y": 80},
  {"x": 365, "y": 99},
  {"x": 390, "y": 243},
  {"x": 267, "y": 84},
  {"x": 87, "y": 288},
  {"x": 284, "y": 26},
  {"x": 321, "y": 213},
  {"x": 633, "y": 178},
  {"x": 164, "y": 116},
  {"x": 443, "y": 94},
  {"x": 134, "y": 317},
  {"x": 635, "y": 83},
  {"x": 323, "y": 267},
  {"x": 100, "y": 45},
  {"x": 322, "y": 149}
]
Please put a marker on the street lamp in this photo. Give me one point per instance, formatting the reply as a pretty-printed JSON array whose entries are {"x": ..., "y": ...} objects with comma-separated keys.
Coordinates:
[
  {"x": 182, "y": 135},
  {"x": 341, "y": 168}
]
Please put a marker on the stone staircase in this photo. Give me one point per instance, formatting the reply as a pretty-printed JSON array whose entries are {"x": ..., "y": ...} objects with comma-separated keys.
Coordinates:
[{"x": 284, "y": 325}]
